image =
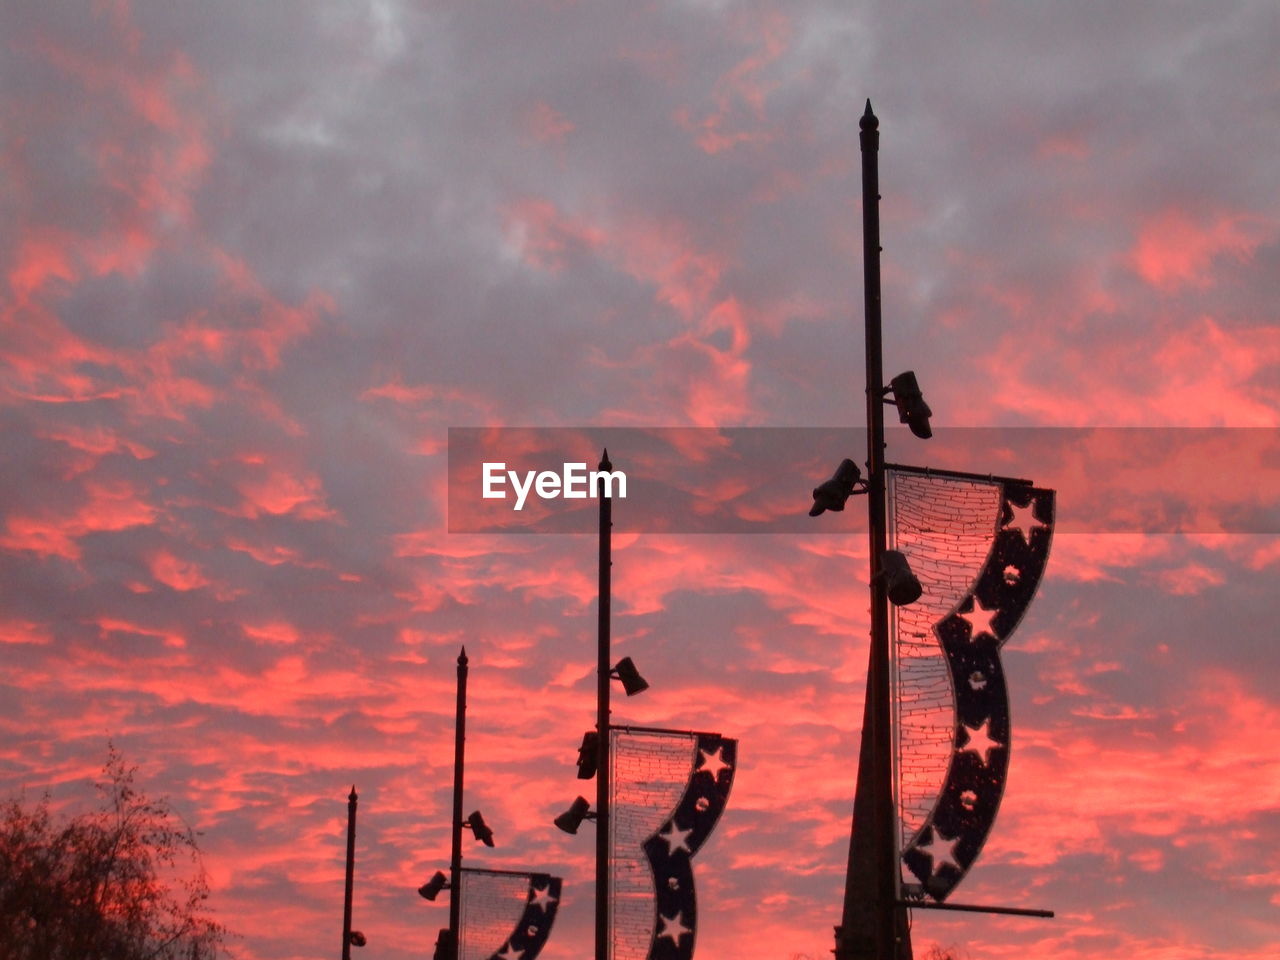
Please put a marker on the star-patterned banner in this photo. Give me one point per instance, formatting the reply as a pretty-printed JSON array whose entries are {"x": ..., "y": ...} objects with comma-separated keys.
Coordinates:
[
  {"x": 979, "y": 547},
  {"x": 505, "y": 915},
  {"x": 668, "y": 789}
]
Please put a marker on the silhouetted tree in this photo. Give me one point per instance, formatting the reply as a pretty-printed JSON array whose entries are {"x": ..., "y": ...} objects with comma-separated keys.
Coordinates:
[{"x": 123, "y": 882}]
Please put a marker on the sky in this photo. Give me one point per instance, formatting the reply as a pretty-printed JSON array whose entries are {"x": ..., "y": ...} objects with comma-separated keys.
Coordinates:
[{"x": 257, "y": 259}]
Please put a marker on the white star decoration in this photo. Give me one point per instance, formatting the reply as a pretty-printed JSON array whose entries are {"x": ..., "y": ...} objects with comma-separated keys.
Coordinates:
[
  {"x": 1023, "y": 520},
  {"x": 673, "y": 927},
  {"x": 510, "y": 953},
  {"x": 676, "y": 838},
  {"x": 542, "y": 898},
  {"x": 979, "y": 619},
  {"x": 980, "y": 741},
  {"x": 713, "y": 763},
  {"x": 941, "y": 850}
]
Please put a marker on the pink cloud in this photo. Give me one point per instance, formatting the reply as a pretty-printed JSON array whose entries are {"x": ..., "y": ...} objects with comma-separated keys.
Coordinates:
[
  {"x": 22, "y": 631},
  {"x": 176, "y": 573},
  {"x": 268, "y": 489},
  {"x": 546, "y": 124},
  {"x": 1197, "y": 373},
  {"x": 107, "y": 506},
  {"x": 544, "y": 238},
  {"x": 739, "y": 95},
  {"x": 271, "y": 632},
  {"x": 39, "y": 260},
  {"x": 1064, "y": 146},
  {"x": 1173, "y": 250},
  {"x": 123, "y": 628}
]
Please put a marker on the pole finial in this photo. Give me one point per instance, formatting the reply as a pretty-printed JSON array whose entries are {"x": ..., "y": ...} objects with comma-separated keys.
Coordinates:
[
  {"x": 868, "y": 121},
  {"x": 352, "y": 797},
  {"x": 604, "y": 460},
  {"x": 462, "y": 657}
]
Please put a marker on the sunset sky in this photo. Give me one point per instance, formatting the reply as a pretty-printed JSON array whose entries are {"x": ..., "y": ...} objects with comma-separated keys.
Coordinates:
[{"x": 257, "y": 257}]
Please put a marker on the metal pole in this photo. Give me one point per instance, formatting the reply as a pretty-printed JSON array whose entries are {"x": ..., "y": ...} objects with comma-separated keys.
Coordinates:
[
  {"x": 603, "y": 670},
  {"x": 886, "y": 843},
  {"x": 974, "y": 908},
  {"x": 872, "y": 867},
  {"x": 455, "y": 854},
  {"x": 351, "y": 871}
]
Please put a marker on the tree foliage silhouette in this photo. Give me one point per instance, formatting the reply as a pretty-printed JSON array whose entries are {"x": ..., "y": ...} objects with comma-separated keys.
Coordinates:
[{"x": 123, "y": 882}]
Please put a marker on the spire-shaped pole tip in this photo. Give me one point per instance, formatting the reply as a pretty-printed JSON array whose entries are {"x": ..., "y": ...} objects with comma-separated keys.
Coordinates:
[
  {"x": 604, "y": 460},
  {"x": 352, "y": 797},
  {"x": 462, "y": 657},
  {"x": 868, "y": 121}
]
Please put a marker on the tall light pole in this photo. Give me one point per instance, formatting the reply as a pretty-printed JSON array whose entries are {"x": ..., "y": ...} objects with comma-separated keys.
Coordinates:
[
  {"x": 455, "y": 849},
  {"x": 603, "y": 675},
  {"x": 447, "y": 944},
  {"x": 351, "y": 871},
  {"x": 529, "y": 935},
  {"x": 593, "y": 755},
  {"x": 872, "y": 926},
  {"x": 874, "y": 920}
]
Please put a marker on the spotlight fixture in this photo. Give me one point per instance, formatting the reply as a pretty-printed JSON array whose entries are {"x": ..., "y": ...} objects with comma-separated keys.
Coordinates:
[
  {"x": 632, "y": 682},
  {"x": 571, "y": 819},
  {"x": 479, "y": 828},
  {"x": 900, "y": 583},
  {"x": 587, "y": 754},
  {"x": 357, "y": 938},
  {"x": 431, "y": 889},
  {"x": 444, "y": 945},
  {"x": 832, "y": 494},
  {"x": 912, "y": 410}
]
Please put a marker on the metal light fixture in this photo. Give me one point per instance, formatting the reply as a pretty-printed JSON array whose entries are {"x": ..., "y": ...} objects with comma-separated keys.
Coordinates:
[
  {"x": 900, "y": 583},
  {"x": 444, "y": 945},
  {"x": 431, "y": 889},
  {"x": 357, "y": 938},
  {"x": 587, "y": 755},
  {"x": 832, "y": 494},
  {"x": 632, "y": 682},
  {"x": 479, "y": 828},
  {"x": 571, "y": 819},
  {"x": 912, "y": 410}
]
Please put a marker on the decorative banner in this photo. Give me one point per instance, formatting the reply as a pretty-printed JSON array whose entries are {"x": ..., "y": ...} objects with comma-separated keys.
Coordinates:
[
  {"x": 667, "y": 790},
  {"x": 978, "y": 547},
  {"x": 505, "y": 915}
]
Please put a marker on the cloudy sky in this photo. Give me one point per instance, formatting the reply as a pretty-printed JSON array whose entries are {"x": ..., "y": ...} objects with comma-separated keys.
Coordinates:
[{"x": 256, "y": 259}]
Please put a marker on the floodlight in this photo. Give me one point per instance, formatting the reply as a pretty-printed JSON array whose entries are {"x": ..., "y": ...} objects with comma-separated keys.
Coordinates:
[
  {"x": 444, "y": 945},
  {"x": 900, "y": 583},
  {"x": 479, "y": 828},
  {"x": 832, "y": 494},
  {"x": 632, "y": 682},
  {"x": 431, "y": 889},
  {"x": 357, "y": 938},
  {"x": 588, "y": 754},
  {"x": 912, "y": 410},
  {"x": 571, "y": 819}
]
